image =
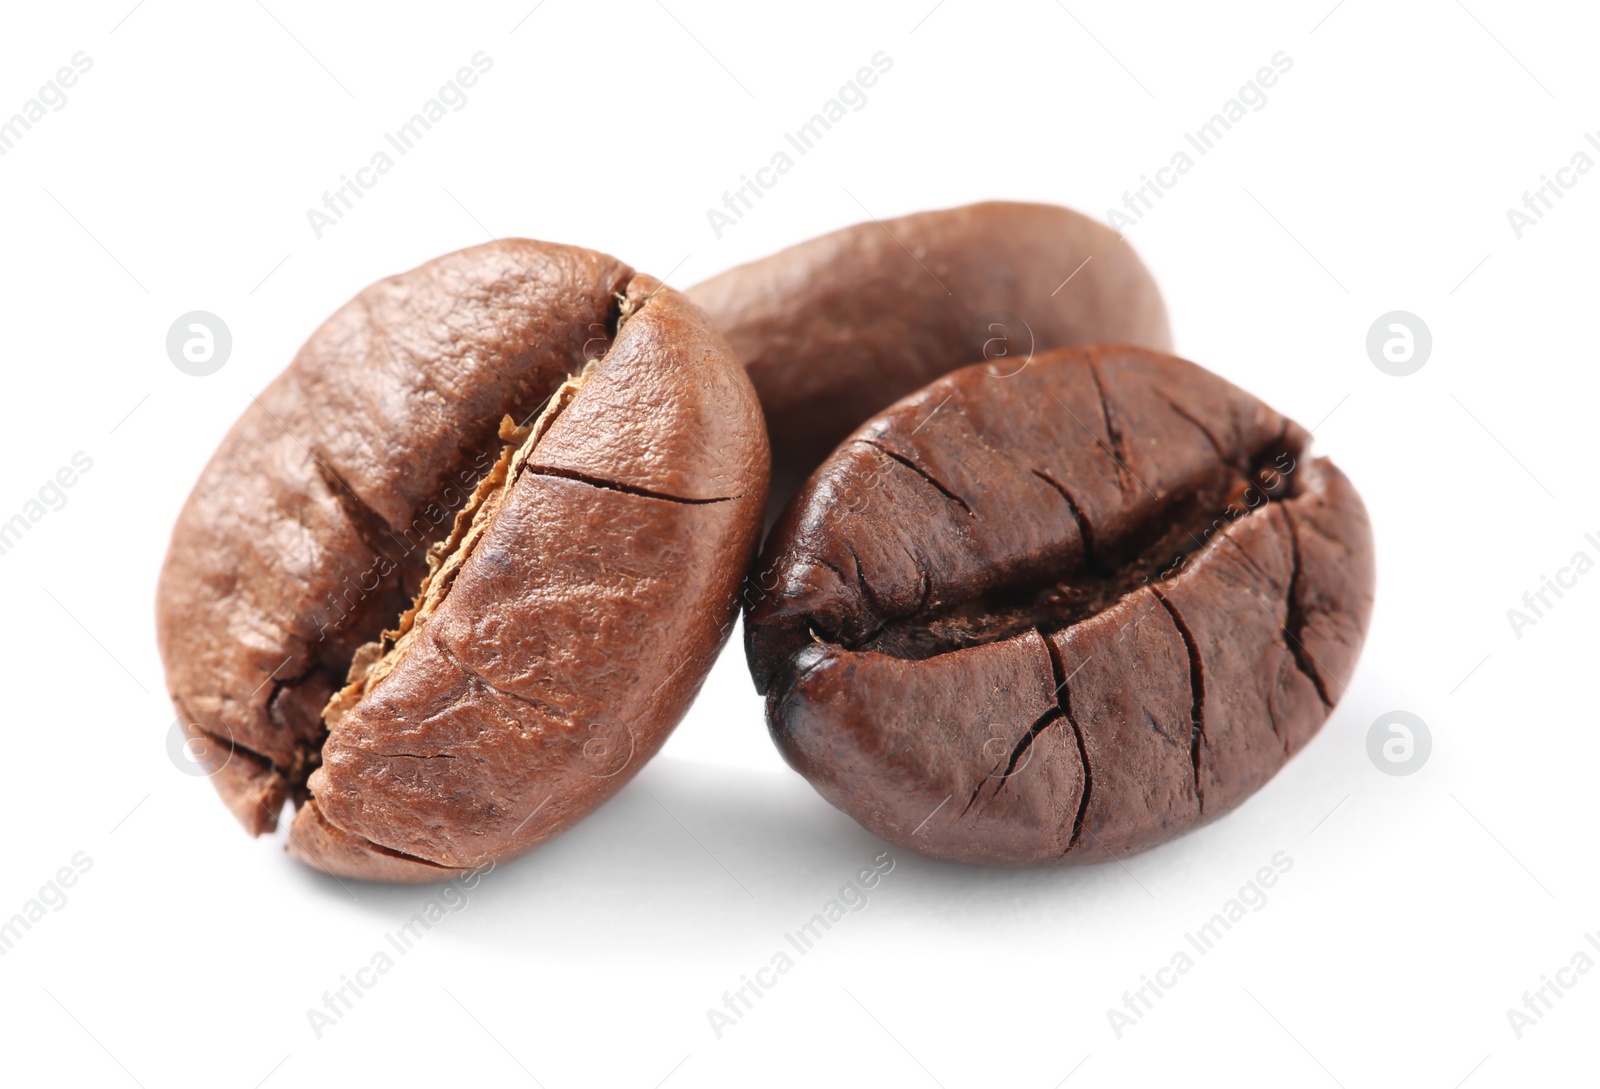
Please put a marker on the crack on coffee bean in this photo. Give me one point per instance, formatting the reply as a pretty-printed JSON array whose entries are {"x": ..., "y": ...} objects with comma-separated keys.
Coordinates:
[
  {"x": 265, "y": 774},
  {"x": 861, "y": 579},
  {"x": 369, "y": 525},
  {"x": 1155, "y": 550},
  {"x": 621, "y": 310},
  {"x": 237, "y": 748},
  {"x": 923, "y": 473},
  {"x": 1222, "y": 452},
  {"x": 1156, "y": 727},
  {"x": 289, "y": 781},
  {"x": 983, "y": 781},
  {"x": 447, "y": 557},
  {"x": 1294, "y": 618},
  {"x": 1113, "y": 432},
  {"x": 1248, "y": 559},
  {"x": 476, "y": 677},
  {"x": 371, "y": 845},
  {"x": 307, "y": 749},
  {"x": 1197, "y": 692},
  {"x": 797, "y": 669},
  {"x": 378, "y": 848},
  {"x": 924, "y": 580},
  {"x": 1058, "y": 670},
  {"x": 1018, "y": 751},
  {"x": 1085, "y": 529},
  {"x": 844, "y": 579},
  {"x": 625, "y": 489},
  {"x": 1272, "y": 713},
  {"x": 1025, "y": 743},
  {"x": 288, "y": 684}
]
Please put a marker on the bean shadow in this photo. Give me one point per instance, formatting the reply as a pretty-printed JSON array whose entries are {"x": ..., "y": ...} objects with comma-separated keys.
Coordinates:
[{"x": 693, "y": 856}]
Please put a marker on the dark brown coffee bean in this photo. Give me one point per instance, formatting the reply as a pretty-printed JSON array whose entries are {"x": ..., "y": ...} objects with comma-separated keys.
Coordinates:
[
  {"x": 571, "y": 457},
  {"x": 837, "y": 328},
  {"x": 1060, "y": 615}
]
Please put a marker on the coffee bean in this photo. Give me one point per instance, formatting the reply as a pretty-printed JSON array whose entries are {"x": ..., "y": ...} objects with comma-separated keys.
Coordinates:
[
  {"x": 835, "y": 329},
  {"x": 1072, "y": 614},
  {"x": 454, "y": 576}
]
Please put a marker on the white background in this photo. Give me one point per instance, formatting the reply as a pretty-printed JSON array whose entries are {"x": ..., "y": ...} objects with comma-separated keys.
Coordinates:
[{"x": 1377, "y": 177}]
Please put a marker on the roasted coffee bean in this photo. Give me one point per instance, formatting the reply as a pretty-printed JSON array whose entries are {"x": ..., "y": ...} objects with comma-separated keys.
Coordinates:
[
  {"x": 1061, "y": 615},
  {"x": 454, "y": 576},
  {"x": 837, "y": 328}
]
